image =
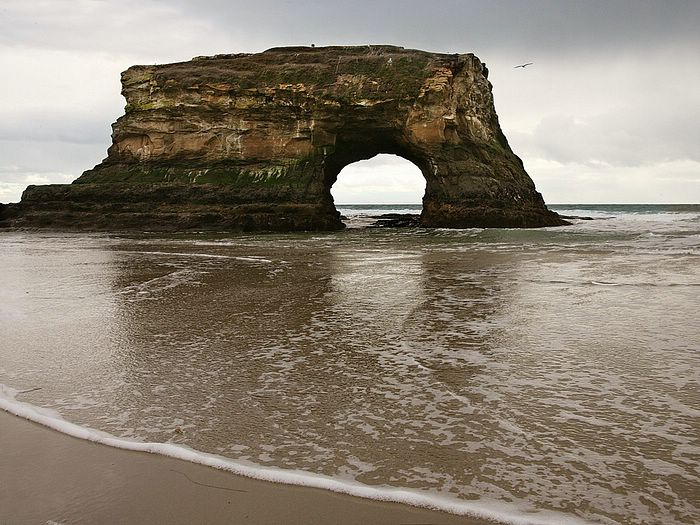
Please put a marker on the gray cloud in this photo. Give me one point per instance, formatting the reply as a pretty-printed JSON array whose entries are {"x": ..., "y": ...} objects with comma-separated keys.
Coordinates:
[
  {"x": 151, "y": 31},
  {"x": 626, "y": 137},
  {"x": 57, "y": 126},
  {"x": 551, "y": 26},
  {"x": 19, "y": 159},
  {"x": 160, "y": 28}
]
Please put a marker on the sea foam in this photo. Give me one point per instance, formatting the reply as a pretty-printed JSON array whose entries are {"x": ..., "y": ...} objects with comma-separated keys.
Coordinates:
[{"x": 484, "y": 508}]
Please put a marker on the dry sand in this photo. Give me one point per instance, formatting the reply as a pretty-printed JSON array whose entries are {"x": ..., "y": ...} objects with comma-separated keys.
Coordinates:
[{"x": 50, "y": 478}]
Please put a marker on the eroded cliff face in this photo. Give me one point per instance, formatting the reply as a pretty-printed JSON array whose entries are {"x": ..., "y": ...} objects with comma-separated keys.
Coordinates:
[{"x": 255, "y": 141}]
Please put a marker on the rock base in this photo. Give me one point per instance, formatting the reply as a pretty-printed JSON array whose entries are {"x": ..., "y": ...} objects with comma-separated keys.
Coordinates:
[{"x": 161, "y": 207}]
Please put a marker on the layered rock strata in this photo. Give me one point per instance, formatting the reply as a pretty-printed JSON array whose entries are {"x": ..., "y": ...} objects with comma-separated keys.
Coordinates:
[{"x": 255, "y": 142}]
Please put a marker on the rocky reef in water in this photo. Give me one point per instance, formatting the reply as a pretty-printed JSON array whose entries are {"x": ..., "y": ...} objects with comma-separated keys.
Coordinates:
[{"x": 255, "y": 142}]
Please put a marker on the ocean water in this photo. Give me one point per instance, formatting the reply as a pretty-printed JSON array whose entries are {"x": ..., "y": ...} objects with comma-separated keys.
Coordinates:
[{"x": 533, "y": 376}]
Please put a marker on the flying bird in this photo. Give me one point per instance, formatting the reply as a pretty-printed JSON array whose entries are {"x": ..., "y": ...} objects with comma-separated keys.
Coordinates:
[{"x": 524, "y": 65}]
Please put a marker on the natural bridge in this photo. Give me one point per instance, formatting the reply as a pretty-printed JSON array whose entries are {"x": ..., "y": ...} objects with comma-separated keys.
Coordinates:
[{"x": 255, "y": 142}]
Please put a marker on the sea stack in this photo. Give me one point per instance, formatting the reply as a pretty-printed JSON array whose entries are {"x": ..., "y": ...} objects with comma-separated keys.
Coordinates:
[{"x": 255, "y": 141}]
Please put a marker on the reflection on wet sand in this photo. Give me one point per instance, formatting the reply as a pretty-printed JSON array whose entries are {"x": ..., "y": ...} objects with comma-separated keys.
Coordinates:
[{"x": 341, "y": 360}]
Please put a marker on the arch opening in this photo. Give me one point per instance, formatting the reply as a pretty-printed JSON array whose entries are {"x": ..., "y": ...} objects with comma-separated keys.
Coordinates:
[{"x": 377, "y": 189}]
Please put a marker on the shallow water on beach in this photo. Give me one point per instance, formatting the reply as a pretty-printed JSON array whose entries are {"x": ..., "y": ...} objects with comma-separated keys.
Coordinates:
[{"x": 526, "y": 370}]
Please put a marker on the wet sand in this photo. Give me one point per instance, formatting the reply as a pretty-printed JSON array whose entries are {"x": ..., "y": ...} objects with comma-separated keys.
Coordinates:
[{"x": 49, "y": 477}]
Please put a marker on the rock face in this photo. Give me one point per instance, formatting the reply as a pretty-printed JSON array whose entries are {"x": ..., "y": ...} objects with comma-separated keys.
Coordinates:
[{"x": 255, "y": 142}]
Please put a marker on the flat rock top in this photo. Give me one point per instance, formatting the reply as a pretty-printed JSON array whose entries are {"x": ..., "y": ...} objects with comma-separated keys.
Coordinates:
[
  {"x": 308, "y": 66},
  {"x": 304, "y": 55}
]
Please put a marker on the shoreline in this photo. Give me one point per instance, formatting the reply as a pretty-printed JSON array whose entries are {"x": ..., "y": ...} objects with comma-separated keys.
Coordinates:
[{"x": 49, "y": 476}]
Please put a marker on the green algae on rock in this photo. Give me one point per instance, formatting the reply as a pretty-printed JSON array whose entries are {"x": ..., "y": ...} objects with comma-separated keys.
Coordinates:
[{"x": 255, "y": 142}]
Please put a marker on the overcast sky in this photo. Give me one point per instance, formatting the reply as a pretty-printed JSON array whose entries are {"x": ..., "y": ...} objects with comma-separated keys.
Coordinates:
[{"x": 608, "y": 112}]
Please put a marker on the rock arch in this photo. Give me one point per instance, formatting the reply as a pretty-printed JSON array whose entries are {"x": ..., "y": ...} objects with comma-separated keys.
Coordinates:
[{"x": 255, "y": 142}]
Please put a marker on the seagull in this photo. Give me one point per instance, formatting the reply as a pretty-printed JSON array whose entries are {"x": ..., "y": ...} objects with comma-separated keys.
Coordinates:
[{"x": 525, "y": 65}]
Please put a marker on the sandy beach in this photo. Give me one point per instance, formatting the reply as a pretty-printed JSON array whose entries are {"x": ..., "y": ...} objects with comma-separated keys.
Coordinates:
[{"x": 49, "y": 477}]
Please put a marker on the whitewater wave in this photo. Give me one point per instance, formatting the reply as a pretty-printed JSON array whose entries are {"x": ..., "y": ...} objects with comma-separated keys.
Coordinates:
[{"x": 488, "y": 509}]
